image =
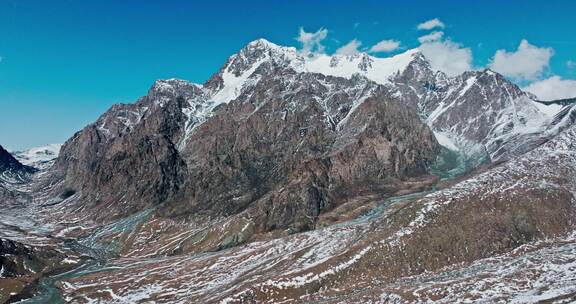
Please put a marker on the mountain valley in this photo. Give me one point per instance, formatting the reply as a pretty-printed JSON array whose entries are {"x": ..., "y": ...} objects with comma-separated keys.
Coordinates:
[{"x": 289, "y": 178}]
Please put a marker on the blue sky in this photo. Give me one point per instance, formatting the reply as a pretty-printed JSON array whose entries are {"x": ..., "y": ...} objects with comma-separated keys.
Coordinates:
[{"x": 65, "y": 62}]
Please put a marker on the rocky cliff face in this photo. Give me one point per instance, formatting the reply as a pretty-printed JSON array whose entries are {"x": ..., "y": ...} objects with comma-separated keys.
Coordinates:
[
  {"x": 479, "y": 113},
  {"x": 121, "y": 165},
  {"x": 327, "y": 128},
  {"x": 256, "y": 129}
]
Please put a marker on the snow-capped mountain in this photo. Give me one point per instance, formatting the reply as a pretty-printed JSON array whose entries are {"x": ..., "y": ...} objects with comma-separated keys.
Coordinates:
[
  {"x": 479, "y": 113},
  {"x": 244, "y": 134},
  {"x": 476, "y": 112},
  {"x": 272, "y": 120},
  {"x": 38, "y": 157}
]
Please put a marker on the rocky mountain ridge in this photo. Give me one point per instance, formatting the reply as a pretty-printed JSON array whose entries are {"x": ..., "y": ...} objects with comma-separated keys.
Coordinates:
[
  {"x": 171, "y": 124},
  {"x": 219, "y": 156}
]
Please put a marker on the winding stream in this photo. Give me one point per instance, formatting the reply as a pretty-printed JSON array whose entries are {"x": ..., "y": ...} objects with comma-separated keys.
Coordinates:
[{"x": 95, "y": 248}]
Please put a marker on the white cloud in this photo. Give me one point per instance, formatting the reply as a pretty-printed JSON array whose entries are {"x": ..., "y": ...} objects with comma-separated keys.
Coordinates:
[
  {"x": 350, "y": 48},
  {"x": 434, "y": 36},
  {"x": 571, "y": 64},
  {"x": 312, "y": 42},
  {"x": 430, "y": 24},
  {"x": 385, "y": 46},
  {"x": 553, "y": 88},
  {"x": 447, "y": 56},
  {"x": 526, "y": 63}
]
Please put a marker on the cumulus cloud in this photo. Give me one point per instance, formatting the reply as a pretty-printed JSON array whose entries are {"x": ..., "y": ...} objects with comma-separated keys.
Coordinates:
[
  {"x": 385, "y": 46},
  {"x": 430, "y": 24},
  {"x": 447, "y": 56},
  {"x": 434, "y": 36},
  {"x": 349, "y": 48},
  {"x": 553, "y": 88},
  {"x": 528, "y": 62},
  {"x": 312, "y": 42}
]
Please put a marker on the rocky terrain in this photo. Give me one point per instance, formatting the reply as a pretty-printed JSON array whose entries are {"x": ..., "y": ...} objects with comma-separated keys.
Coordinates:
[
  {"x": 289, "y": 178},
  {"x": 22, "y": 265},
  {"x": 505, "y": 234},
  {"x": 286, "y": 148}
]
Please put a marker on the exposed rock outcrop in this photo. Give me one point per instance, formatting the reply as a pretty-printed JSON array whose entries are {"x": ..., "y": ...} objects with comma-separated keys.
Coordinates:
[{"x": 217, "y": 150}]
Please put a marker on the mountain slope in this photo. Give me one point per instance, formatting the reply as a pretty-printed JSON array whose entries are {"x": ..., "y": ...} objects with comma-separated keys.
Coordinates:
[
  {"x": 516, "y": 220},
  {"x": 479, "y": 113},
  {"x": 273, "y": 140},
  {"x": 485, "y": 115},
  {"x": 256, "y": 129}
]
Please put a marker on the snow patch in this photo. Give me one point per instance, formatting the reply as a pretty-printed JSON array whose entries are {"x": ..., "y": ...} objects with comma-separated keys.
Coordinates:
[
  {"x": 445, "y": 140},
  {"x": 33, "y": 156},
  {"x": 376, "y": 69}
]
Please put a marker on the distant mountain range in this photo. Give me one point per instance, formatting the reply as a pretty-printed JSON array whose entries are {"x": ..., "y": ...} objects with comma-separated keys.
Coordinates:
[{"x": 38, "y": 157}]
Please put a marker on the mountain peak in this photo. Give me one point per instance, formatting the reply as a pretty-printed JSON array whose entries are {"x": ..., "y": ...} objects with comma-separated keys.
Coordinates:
[
  {"x": 417, "y": 56},
  {"x": 172, "y": 86},
  {"x": 260, "y": 46},
  {"x": 489, "y": 71},
  {"x": 261, "y": 42}
]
